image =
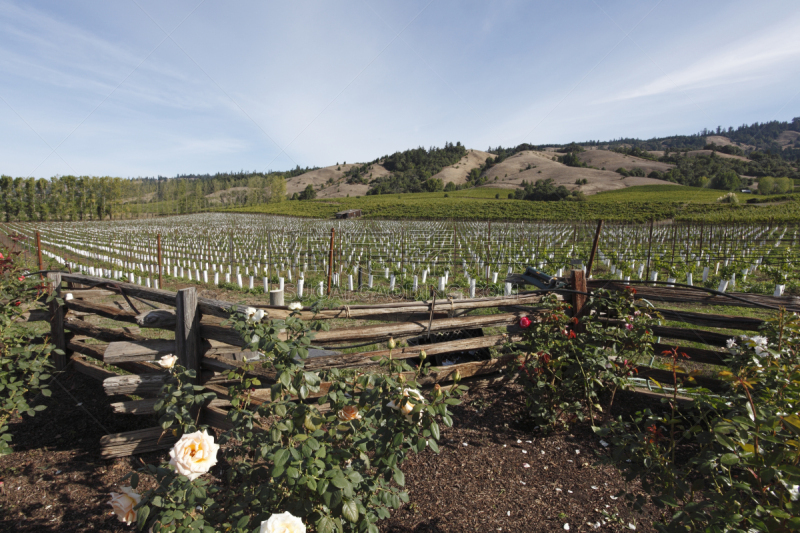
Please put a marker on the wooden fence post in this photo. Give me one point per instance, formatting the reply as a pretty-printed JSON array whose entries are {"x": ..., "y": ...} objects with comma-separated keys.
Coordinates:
[
  {"x": 187, "y": 329},
  {"x": 578, "y": 282},
  {"x": 57, "y": 336},
  {"x": 594, "y": 249},
  {"x": 39, "y": 252},
  {"x": 160, "y": 265},
  {"x": 649, "y": 249},
  {"x": 330, "y": 262}
]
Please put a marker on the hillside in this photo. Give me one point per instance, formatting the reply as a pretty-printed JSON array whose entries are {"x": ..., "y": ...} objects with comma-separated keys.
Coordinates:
[
  {"x": 458, "y": 173},
  {"x": 512, "y": 171}
]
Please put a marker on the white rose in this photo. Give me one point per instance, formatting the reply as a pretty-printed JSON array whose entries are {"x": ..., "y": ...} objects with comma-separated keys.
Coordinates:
[
  {"x": 259, "y": 316},
  {"x": 123, "y": 504},
  {"x": 295, "y": 306},
  {"x": 168, "y": 361},
  {"x": 68, "y": 297},
  {"x": 194, "y": 454},
  {"x": 759, "y": 340},
  {"x": 249, "y": 312},
  {"x": 283, "y": 523}
]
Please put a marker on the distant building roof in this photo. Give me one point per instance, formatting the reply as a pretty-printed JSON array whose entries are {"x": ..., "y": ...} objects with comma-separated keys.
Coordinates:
[{"x": 349, "y": 213}]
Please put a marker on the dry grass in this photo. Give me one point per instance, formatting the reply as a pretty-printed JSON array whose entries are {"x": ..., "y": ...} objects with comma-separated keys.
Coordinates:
[
  {"x": 787, "y": 138},
  {"x": 458, "y": 173},
  {"x": 511, "y": 172}
]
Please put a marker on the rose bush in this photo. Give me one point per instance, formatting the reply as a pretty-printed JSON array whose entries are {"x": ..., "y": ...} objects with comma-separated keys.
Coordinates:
[
  {"x": 570, "y": 360},
  {"x": 24, "y": 358},
  {"x": 319, "y": 452},
  {"x": 727, "y": 461}
]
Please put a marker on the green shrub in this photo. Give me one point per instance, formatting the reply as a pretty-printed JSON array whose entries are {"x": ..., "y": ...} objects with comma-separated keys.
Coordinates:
[
  {"x": 726, "y": 461},
  {"x": 333, "y": 464},
  {"x": 24, "y": 359}
]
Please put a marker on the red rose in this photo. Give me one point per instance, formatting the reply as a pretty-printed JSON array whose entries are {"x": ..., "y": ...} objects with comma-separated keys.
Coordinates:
[
  {"x": 524, "y": 322},
  {"x": 571, "y": 335},
  {"x": 630, "y": 289},
  {"x": 21, "y": 278}
]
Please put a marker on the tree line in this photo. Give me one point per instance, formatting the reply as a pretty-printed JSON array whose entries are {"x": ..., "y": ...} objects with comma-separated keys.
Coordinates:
[{"x": 73, "y": 198}]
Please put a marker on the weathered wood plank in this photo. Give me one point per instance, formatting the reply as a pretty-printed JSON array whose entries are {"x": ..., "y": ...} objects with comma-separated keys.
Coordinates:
[
  {"x": 376, "y": 333},
  {"x": 81, "y": 327},
  {"x": 146, "y": 350},
  {"x": 92, "y": 370},
  {"x": 106, "y": 311},
  {"x": 135, "y": 407},
  {"x": 686, "y": 295},
  {"x": 408, "y": 352},
  {"x": 695, "y": 335},
  {"x": 696, "y": 355},
  {"x": 133, "y": 442},
  {"x": 710, "y": 320},
  {"x": 140, "y": 385},
  {"x": 145, "y": 293}
]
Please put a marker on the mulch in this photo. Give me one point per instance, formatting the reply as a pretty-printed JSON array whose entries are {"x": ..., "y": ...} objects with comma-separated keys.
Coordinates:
[{"x": 56, "y": 480}]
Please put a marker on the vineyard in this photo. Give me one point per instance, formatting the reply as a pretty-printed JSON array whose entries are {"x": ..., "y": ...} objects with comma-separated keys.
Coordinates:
[
  {"x": 632, "y": 205},
  {"x": 402, "y": 367},
  {"x": 394, "y": 258}
]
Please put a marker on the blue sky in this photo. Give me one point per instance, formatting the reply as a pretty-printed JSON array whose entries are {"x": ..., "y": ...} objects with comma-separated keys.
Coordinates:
[{"x": 142, "y": 88}]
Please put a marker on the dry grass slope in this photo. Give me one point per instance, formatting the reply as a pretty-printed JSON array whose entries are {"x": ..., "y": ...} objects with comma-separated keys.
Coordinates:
[
  {"x": 511, "y": 172},
  {"x": 458, "y": 173}
]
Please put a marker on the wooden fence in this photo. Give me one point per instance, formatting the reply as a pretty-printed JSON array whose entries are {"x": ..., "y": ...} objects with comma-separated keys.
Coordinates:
[{"x": 203, "y": 344}]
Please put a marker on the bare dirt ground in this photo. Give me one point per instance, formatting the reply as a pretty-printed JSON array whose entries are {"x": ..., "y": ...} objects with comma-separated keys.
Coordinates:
[
  {"x": 510, "y": 173},
  {"x": 495, "y": 471}
]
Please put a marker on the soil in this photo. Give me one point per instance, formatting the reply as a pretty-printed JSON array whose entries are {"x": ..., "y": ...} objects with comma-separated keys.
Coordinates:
[{"x": 57, "y": 481}]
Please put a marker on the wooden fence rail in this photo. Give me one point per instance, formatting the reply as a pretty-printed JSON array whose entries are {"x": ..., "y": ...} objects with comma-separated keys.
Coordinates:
[{"x": 202, "y": 343}]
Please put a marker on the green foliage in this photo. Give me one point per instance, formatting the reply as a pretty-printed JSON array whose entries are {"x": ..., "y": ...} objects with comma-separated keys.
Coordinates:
[
  {"x": 411, "y": 170},
  {"x": 571, "y": 160},
  {"x": 635, "y": 152},
  {"x": 726, "y": 180},
  {"x": 574, "y": 359},
  {"x": 729, "y": 149},
  {"x": 97, "y": 198},
  {"x": 308, "y": 193},
  {"x": 726, "y": 461},
  {"x": 636, "y": 171},
  {"x": 338, "y": 469},
  {"x": 180, "y": 401},
  {"x": 24, "y": 360}
]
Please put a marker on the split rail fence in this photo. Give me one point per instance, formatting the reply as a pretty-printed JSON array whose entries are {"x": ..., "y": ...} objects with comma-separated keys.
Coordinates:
[{"x": 203, "y": 344}]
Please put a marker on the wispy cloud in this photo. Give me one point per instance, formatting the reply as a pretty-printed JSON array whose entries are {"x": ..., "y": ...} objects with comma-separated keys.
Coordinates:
[{"x": 747, "y": 59}]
